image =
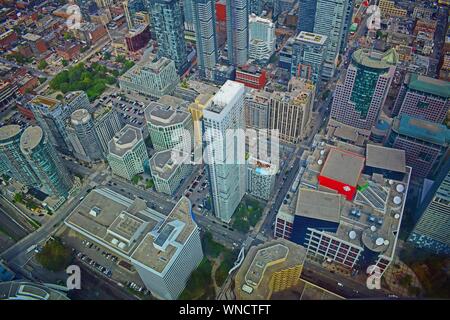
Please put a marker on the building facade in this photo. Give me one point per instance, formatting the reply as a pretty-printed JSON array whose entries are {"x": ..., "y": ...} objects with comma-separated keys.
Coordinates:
[
  {"x": 432, "y": 231},
  {"x": 290, "y": 112},
  {"x": 204, "y": 19},
  {"x": 261, "y": 176},
  {"x": 425, "y": 143},
  {"x": 169, "y": 128},
  {"x": 169, "y": 169},
  {"x": 168, "y": 25},
  {"x": 358, "y": 100},
  {"x": 237, "y": 31},
  {"x": 225, "y": 156},
  {"x": 424, "y": 97},
  {"x": 308, "y": 56},
  {"x": 153, "y": 78},
  {"x": 261, "y": 38},
  {"x": 53, "y": 177},
  {"x": 307, "y": 15},
  {"x": 332, "y": 26},
  {"x": 127, "y": 152}
]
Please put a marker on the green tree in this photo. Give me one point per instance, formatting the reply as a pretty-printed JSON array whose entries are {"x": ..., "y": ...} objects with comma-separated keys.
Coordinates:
[
  {"x": 64, "y": 62},
  {"x": 18, "y": 197},
  {"x": 54, "y": 256},
  {"x": 42, "y": 65}
]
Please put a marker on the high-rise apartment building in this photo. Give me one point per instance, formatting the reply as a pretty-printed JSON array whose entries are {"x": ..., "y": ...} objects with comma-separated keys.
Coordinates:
[
  {"x": 261, "y": 38},
  {"x": 306, "y": 15},
  {"x": 424, "y": 97},
  {"x": 204, "y": 19},
  {"x": 50, "y": 114},
  {"x": 261, "y": 176},
  {"x": 255, "y": 6},
  {"x": 127, "y": 152},
  {"x": 237, "y": 31},
  {"x": 329, "y": 21},
  {"x": 83, "y": 137},
  {"x": 168, "y": 26},
  {"x": 151, "y": 77},
  {"x": 225, "y": 152},
  {"x": 432, "y": 230},
  {"x": 308, "y": 56},
  {"x": 53, "y": 177},
  {"x": 12, "y": 160},
  {"x": 290, "y": 112},
  {"x": 257, "y": 109},
  {"x": 358, "y": 100}
]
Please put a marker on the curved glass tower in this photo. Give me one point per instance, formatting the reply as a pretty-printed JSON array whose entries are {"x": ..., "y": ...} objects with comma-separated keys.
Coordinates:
[{"x": 42, "y": 157}]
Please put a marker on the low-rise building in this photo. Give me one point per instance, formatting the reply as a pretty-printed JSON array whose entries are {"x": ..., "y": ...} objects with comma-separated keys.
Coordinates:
[
  {"x": 164, "y": 249},
  {"x": 269, "y": 268},
  {"x": 151, "y": 77}
]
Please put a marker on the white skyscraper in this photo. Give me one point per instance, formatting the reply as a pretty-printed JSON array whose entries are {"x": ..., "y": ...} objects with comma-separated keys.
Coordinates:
[
  {"x": 225, "y": 152},
  {"x": 262, "y": 38}
]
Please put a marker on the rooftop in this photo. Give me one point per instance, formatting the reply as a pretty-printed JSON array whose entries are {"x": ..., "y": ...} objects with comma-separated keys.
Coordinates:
[
  {"x": 131, "y": 229},
  {"x": 164, "y": 163},
  {"x": 261, "y": 262},
  {"x": 385, "y": 158},
  {"x": 311, "y": 37},
  {"x": 31, "y": 37},
  {"x": 80, "y": 116},
  {"x": 9, "y": 131},
  {"x": 319, "y": 205},
  {"x": 422, "y": 129},
  {"x": 45, "y": 101},
  {"x": 433, "y": 86},
  {"x": 19, "y": 290},
  {"x": 225, "y": 96},
  {"x": 124, "y": 140},
  {"x": 160, "y": 114},
  {"x": 343, "y": 166},
  {"x": 374, "y": 59},
  {"x": 30, "y": 138}
]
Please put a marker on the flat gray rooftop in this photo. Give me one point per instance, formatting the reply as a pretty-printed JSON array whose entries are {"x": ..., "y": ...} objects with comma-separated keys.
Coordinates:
[
  {"x": 163, "y": 115},
  {"x": 124, "y": 140},
  {"x": 385, "y": 158},
  {"x": 343, "y": 166},
  {"x": 319, "y": 205}
]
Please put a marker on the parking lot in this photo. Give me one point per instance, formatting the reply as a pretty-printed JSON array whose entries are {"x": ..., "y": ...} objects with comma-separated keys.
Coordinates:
[
  {"x": 197, "y": 191},
  {"x": 105, "y": 264}
]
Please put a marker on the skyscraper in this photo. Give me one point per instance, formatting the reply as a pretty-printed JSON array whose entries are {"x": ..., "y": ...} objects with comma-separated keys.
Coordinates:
[
  {"x": 12, "y": 160},
  {"x": 306, "y": 15},
  {"x": 224, "y": 152},
  {"x": 53, "y": 177},
  {"x": 237, "y": 31},
  {"x": 329, "y": 21},
  {"x": 262, "y": 38},
  {"x": 50, "y": 114},
  {"x": 432, "y": 230},
  {"x": 204, "y": 19},
  {"x": 358, "y": 100},
  {"x": 423, "y": 97},
  {"x": 188, "y": 15},
  {"x": 308, "y": 54},
  {"x": 83, "y": 136},
  {"x": 255, "y": 6},
  {"x": 127, "y": 152},
  {"x": 168, "y": 26}
]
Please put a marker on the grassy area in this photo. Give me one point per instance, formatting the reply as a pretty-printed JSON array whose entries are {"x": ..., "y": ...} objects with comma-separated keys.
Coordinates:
[
  {"x": 54, "y": 256},
  {"x": 93, "y": 80},
  {"x": 199, "y": 285},
  {"x": 149, "y": 184},
  {"x": 227, "y": 263},
  {"x": 211, "y": 248},
  {"x": 247, "y": 215}
]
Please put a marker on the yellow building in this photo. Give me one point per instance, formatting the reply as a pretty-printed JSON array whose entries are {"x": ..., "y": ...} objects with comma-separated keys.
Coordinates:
[
  {"x": 389, "y": 9},
  {"x": 269, "y": 268},
  {"x": 196, "y": 109}
]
